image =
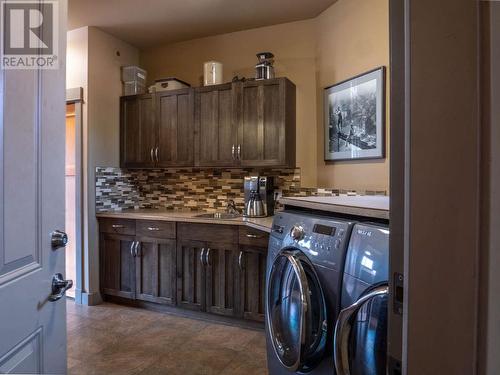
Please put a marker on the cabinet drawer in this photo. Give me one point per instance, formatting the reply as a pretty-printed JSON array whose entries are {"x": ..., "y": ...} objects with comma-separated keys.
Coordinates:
[
  {"x": 253, "y": 237},
  {"x": 220, "y": 233},
  {"x": 156, "y": 229},
  {"x": 118, "y": 226}
]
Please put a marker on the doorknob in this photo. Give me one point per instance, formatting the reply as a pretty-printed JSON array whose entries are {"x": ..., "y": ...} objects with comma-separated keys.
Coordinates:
[
  {"x": 59, "y": 287},
  {"x": 58, "y": 239}
]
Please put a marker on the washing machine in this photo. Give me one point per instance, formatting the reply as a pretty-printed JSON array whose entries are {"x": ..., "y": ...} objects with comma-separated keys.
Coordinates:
[
  {"x": 360, "y": 337},
  {"x": 303, "y": 291}
]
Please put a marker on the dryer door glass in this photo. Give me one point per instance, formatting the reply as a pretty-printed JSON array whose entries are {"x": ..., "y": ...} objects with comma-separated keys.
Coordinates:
[
  {"x": 296, "y": 312},
  {"x": 368, "y": 341},
  {"x": 360, "y": 343}
]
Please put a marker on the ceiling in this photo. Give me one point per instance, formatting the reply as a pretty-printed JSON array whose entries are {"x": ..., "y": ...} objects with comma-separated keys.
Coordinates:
[{"x": 145, "y": 23}]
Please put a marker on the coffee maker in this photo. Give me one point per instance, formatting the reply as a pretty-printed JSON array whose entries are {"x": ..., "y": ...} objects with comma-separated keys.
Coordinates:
[{"x": 259, "y": 196}]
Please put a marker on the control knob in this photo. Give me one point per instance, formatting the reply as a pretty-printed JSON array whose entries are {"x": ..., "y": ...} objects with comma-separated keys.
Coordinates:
[{"x": 297, "y": 232}]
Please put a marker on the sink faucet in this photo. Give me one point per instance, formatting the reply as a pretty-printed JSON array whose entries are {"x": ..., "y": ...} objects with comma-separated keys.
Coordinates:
[{"x": 231, "y": 207}]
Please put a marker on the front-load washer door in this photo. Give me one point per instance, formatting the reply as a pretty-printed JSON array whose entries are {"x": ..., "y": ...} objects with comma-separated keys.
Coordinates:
[{"x": 296, "y": 312}]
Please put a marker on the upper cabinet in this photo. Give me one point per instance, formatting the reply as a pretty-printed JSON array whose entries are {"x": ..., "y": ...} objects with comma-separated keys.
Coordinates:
[
  {"x": 157, "y": 130},
  {"x": 137, "y": 131},
  {"x": 242, "y": 124},
  {"x": 216, "y": 126},
  {"x": 266, "y": 123},
  {"x": 175, "y": 119}
]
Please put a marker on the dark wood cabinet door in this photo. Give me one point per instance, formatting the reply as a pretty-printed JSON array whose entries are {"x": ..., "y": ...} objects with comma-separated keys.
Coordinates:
[
  {"x": 117, "y": 265},
  {"x": 216, "y": 129},
  {"x": 155, "y": 271},
  {"x": 251, "y": 282},
  {"x": 175, "y": 119},
  {"x": 266, "y": 123},
  {"x": 220, "y": 275},
  {"x": 190, "y": 275},
  {"x": 137, "y": 131}
]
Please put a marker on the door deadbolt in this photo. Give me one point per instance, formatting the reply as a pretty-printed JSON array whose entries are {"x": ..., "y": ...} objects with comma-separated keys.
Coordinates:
[{"x": 58, "y": 239}]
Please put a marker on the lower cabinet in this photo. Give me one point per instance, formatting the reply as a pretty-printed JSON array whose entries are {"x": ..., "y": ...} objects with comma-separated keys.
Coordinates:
[
  {"x": 205, "y": 276},
  {"x": 220, "y": 263},
  {"x": 191, "y": 274},
  {"x": 155, "y": 271},
  {"x": 218, "y": 269},
  {"x": 142, "y": 269},
  {"x": 252, "y": 282},
  {"x": 117, "y": 265}
]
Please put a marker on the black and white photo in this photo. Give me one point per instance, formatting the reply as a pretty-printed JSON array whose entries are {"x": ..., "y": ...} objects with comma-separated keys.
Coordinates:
[{"x": 355, "y": 117}]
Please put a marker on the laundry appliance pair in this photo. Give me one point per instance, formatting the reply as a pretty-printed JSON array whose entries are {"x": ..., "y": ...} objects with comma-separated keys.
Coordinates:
[{"x": 326, "y": 297}]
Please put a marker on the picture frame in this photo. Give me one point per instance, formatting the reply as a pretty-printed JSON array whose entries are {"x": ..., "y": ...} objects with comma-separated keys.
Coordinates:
[{"x": 354, "y": 117}]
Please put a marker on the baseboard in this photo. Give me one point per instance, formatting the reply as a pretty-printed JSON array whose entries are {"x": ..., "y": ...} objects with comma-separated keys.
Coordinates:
[
  {"x": 90, "y": 299},
  {"x": 78, "y": 296}
]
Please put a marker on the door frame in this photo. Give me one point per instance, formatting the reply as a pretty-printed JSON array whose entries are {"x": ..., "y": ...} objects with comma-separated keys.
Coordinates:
[
  {"x": 435, "y": 187},
  {"x": 398, "y": 23},
  {"x": 75, "y": 96},
  {"x": 489, "y": 303}
]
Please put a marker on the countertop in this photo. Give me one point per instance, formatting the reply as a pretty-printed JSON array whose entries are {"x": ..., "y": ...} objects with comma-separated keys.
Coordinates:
[
  {"x": 371, "y": 206},
  {"x": 263, "y": 224}
]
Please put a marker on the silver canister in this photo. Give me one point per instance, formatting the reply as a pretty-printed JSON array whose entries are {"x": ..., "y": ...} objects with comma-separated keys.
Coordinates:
[{"x": 264, "y": 69}]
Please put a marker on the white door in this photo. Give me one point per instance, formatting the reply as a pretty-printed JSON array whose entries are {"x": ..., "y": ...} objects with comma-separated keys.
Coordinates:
[{"x": 32, "y": 146}]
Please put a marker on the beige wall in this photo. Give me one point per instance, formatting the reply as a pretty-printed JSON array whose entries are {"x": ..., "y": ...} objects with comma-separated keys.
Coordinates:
[
  {"x": 103, "y": 123},
  {"x": 352, "y": 38},
  {"x": 291, "y": 43},
  {"x": 76, "y": 58},
  {"x": 93, "y": 63}
]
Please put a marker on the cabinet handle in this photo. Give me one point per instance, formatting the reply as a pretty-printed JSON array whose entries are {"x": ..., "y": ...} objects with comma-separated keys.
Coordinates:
[
  {"x": 117, "y": 226},
  {"x": 207, "y": 258},
  {"x": 233, "y": 152},
  {"x": 253, "y": 236},
  {"x": 201, "y": 256},
  {"x": 137, "y": 249},
  {"x": 132, "y": 245},
  {"x": 239, "y": 152},
  {"x": 240, "y": 263},
  {"x": 153, "y": 229},
  {"x": 151, "y": 154},
  {"x": 156, "y": 155}
]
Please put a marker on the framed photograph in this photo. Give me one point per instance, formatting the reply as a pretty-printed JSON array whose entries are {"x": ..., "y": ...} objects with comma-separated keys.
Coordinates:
[{"x": 355, "y": 118}]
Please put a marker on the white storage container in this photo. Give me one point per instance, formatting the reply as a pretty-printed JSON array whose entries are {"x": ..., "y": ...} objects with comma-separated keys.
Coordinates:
[
  {"x": 170, "y": 83},
  {"x": 134, "y": 73},
  {"x": 212, "y": 73},
  {"x": 133, "y": 88}
]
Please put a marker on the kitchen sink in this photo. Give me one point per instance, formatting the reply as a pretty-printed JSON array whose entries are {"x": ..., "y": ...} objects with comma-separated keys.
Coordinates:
[{"x": 218, "y": 215}]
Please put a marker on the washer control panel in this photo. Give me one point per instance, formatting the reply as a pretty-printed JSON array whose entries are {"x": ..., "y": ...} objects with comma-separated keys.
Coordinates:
[
  {"x": 323, "y": 238},
  {"x": 328, "y": 237}
]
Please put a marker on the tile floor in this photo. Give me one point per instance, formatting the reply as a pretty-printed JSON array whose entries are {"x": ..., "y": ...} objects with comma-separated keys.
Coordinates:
[{"x": 112, "y": 339}]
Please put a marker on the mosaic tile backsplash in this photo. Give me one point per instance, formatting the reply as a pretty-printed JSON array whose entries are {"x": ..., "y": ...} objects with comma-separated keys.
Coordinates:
[{"x": 189, "y": 189}]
